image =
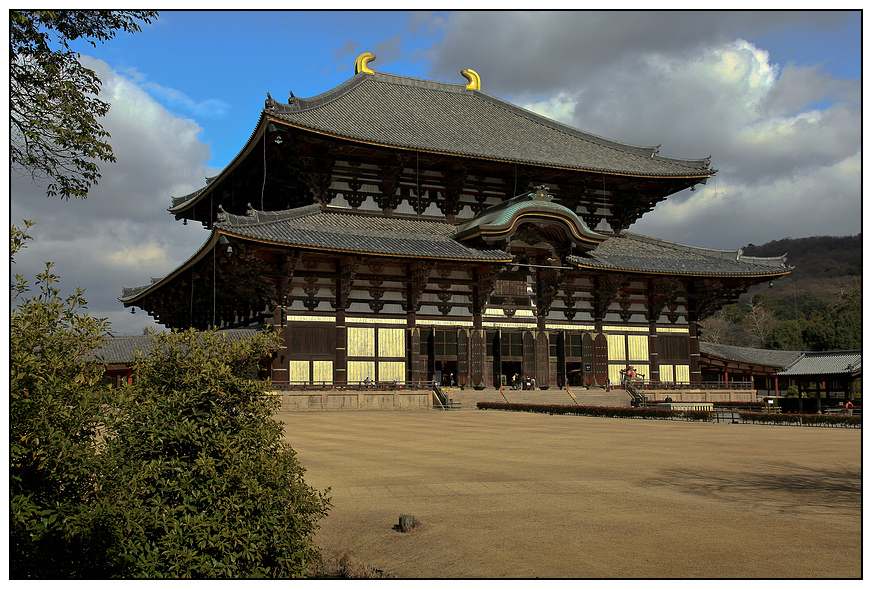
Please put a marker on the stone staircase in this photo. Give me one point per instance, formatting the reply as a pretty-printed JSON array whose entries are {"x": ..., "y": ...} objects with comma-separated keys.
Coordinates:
[
  {"x": 600, "y": 397},
  {"x": 469, "y": 397},
  {"x": 550, "y": 396}
]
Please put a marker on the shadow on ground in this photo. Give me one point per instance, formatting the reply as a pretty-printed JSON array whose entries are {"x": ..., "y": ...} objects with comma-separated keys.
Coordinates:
[{"x": 789, "y": 486}]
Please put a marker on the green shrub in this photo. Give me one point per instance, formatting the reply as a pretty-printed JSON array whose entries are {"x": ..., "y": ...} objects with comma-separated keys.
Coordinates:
[
  {"x": 802, "y": 419},
  {"x": 199, "y": 482},
  {"x": 623, "y": 412},
  {"x": 55, "y": 410}
]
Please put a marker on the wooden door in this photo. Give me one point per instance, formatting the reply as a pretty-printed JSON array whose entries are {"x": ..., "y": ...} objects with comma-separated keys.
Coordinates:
[
  {"x": 529, "y": 355},
  {"x": 543, "y": 360},
  {"x": 477, "y": 356},
  {"x": 587, "y": 359},
  {"x": 600, "y": 359},
  {"x": 462, "y": 357}
]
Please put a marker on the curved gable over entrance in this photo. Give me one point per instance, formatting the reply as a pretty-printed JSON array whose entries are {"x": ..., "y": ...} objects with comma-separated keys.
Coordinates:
[{"x": 500, "y": 222}]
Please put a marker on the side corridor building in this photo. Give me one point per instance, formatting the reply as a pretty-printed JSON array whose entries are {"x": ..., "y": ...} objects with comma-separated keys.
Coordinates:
[{"x": 408, "y": 230}]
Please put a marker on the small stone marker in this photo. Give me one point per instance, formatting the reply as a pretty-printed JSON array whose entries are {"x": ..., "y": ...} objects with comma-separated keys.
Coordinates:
[{"x": 407, "y": 522}]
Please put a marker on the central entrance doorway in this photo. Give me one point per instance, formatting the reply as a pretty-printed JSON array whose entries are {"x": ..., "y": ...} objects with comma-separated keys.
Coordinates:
[{"x": 511, "y": 368}]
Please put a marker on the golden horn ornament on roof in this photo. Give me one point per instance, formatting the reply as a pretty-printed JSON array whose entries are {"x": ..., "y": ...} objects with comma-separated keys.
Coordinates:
[
  {"x": 361, "y": 61},
  {"x": 474, "y": 79}
]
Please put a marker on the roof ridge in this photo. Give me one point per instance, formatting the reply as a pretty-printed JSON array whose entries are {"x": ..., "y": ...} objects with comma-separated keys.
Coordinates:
[
  {"x": 736, "y": 254},
  {"x": 255, "y": 217}
]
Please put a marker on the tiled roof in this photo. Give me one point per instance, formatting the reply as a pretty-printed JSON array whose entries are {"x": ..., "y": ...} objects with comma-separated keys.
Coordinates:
[
  {"x": 822, "y": 363},
  {"x": 409, "y": 113},
  {"x": 121, "y": 349},
  {"x": 351, "y": 232},
  {"x": 757, "y": 356},
  {"x": 355, "y": 232},
  {"x": 632, "y": 252}
]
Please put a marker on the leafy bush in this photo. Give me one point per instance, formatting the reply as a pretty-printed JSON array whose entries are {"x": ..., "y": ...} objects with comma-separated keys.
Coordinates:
[
  {"x": 624, "y": 412},
  {"x": 183, "y": 474},
  {"x": 199, "y": 482},
  {"x": 55, "y": 410}
]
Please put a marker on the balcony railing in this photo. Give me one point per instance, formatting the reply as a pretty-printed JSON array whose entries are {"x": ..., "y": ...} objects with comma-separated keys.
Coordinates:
[{"x": 706, "y": 385}]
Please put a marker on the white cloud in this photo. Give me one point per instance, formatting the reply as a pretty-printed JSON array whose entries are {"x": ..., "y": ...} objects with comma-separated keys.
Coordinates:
[
  {"x": 145, "y": 256},
  {"x": 212, "y": 108},
  {"x": 122, "y": 234}
]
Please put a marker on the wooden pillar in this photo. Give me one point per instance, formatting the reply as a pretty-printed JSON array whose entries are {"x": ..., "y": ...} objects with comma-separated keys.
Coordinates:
[
  {"x": 279, "y": 364},
  {"x": 413, "y": 351},
  {"x": 340, "y": 366},
  {"x": 653, "y": 353},
  {"x": 695, "y": 374}
]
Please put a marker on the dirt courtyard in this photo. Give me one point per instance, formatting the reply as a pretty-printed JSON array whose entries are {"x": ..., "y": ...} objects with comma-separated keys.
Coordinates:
[{"x": 521, "y": 495}]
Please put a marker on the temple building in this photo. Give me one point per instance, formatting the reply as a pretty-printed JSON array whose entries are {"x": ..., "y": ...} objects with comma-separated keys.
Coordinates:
[{"x": 407, "y": 230}]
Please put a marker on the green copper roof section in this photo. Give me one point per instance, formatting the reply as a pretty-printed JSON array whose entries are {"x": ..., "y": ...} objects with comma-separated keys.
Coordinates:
[{"x": 502, "y": 220}]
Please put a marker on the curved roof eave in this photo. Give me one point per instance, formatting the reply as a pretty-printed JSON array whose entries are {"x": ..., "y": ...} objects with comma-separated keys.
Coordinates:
[
  {"x": 703, "y": 174},
  {"x": 679, "y": 273},
  {"x": 190, "y": 200},
  {"x": 198, "y": 255}
]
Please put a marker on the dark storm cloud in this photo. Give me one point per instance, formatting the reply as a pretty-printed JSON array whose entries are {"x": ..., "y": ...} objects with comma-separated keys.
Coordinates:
[{"x": 534, "y": 53}]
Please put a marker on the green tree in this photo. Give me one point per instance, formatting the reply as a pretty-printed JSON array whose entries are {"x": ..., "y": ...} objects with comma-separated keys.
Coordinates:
[
  {"x": 54, "y": 131},
  {"x": 55, "y": 410},
  {"x": 838, "y": 326},
  {"x": 200, "y": 483},
  {"x": 847, "y": 317},
  {"x": 787, "y": 335}
]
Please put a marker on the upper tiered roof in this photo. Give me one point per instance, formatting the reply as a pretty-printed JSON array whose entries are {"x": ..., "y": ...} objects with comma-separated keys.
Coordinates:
[
  {"x": 383, "y": 110},
  {"x": 404, "y": 112}
]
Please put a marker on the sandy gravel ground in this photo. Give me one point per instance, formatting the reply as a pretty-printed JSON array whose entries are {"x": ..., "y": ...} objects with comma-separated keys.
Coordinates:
[{"x": 518, "y": 495}]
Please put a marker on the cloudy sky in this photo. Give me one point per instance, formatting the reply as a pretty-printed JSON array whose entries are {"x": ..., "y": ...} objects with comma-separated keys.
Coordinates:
[{"x": 773, "y": 98}]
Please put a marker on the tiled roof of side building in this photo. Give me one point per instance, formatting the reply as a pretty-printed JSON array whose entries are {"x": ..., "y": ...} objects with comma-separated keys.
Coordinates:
[
  {"x": 352, "y": 232},
  {"x": 822, "y": 363},
  {"x": 409, "y": 113},
  {"x": 122, "y": 349},
  {"x": 639, "y": 253},
  {"x": 757, "y": 356}
]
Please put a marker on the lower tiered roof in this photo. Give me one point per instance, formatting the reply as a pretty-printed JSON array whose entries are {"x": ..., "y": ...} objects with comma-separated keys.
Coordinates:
[{"x": 342, "y": 231}]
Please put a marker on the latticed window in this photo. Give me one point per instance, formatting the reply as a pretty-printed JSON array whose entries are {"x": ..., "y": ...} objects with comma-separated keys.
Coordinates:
[
  {"x": 492, "y": 342},
  {"x": 510, "y": 288},
  {"x": 673, "y": 347},
  {"x": 573, "y": 345},
  {"x": 445, "y": 343},
  {"x": 512, "y": 344}
]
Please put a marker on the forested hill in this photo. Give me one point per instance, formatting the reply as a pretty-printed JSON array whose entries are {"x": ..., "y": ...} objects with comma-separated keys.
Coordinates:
[{"x": 821, "y": 264}]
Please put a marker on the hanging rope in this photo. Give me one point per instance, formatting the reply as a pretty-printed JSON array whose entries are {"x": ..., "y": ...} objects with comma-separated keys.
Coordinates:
[{"x": 263, "y": 188}]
